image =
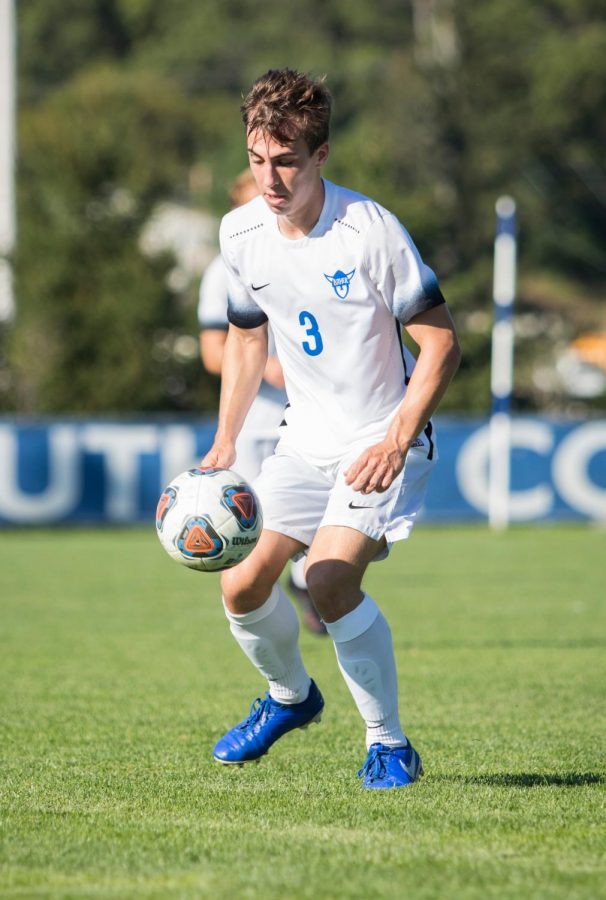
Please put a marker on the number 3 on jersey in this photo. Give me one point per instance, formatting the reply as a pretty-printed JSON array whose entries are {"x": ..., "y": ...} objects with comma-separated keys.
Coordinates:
[{"x": 314, "y": 347}]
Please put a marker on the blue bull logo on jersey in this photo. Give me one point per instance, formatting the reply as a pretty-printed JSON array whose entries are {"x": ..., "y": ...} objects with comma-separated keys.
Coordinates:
[{"x": 340, "y": 282}]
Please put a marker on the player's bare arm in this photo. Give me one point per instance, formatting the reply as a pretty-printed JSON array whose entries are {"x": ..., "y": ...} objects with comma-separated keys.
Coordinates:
[
  {"x": 244, "y": 361},
  {"x": 439, "y": 356}
]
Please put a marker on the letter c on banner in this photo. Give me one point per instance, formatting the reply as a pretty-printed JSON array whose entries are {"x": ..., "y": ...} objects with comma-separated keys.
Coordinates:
[
  {"x": 472, "y": 470},
  {"x": 570, "y": 465}
]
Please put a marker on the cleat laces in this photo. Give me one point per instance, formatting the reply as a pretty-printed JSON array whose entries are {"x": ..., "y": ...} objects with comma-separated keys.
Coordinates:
[
  {"x": 374, "y": 765},
  {"x": 260, "y": 710}
]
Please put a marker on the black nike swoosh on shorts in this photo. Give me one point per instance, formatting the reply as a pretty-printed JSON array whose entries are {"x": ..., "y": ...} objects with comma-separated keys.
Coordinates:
[
  {"x": 259, "y": 287},
  {"x": 355, "y": 506}
]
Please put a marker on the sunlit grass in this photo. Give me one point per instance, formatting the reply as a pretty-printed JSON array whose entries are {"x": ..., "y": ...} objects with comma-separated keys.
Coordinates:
[{"x": 118, "y": 673}]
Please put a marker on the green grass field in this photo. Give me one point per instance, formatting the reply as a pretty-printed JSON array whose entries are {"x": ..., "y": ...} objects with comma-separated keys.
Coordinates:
[{"x": 118, "y": 673}]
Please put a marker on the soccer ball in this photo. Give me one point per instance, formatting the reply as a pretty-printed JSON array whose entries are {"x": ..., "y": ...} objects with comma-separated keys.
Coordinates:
[{"x": 208, "y": 519}]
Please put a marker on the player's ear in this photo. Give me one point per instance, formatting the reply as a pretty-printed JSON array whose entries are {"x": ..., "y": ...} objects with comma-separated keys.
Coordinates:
[{"x": 322, "y": 154}]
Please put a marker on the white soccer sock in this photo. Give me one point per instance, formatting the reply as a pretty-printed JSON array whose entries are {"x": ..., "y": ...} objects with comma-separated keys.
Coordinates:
[
  {"x": 269, "y": 637},
  {"x": 364, "y": 648}
]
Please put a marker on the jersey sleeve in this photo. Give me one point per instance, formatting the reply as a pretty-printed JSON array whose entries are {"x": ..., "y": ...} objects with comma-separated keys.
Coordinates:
[
  {"x": 242, "y": 310},
  {"x": 212, "y": 301},
  {"x": 407, "y": 285}
]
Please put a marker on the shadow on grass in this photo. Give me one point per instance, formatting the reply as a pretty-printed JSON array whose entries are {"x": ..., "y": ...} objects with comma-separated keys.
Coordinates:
[{"x": 531, "y": 779}]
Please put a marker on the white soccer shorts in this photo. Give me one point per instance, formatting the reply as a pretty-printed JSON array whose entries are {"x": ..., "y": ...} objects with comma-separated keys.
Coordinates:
[{"x": 297, "y": 497}]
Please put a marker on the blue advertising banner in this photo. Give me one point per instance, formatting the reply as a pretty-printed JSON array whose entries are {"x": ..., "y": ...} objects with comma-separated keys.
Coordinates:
[
  {"x": 558, "y": 471},
  {"x": 104, "y": 472}
]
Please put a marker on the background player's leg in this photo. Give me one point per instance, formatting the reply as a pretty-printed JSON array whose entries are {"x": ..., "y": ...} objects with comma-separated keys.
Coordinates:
[
  {"x": 297, "y": 588},
  {"x": 297, "y": 573},
  {"x": 336, "y": 564}
]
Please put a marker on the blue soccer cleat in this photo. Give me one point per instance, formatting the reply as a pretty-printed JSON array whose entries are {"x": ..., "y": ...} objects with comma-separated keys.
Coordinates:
[
  {"x": 267, "y": 721},
  {"x": 390, "y": 767}
]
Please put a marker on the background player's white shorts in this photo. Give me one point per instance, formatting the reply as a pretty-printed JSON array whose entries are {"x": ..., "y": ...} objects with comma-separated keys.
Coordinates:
[
  {"x": 297, "y": 497},
  {"x": 251, "y": 452}
]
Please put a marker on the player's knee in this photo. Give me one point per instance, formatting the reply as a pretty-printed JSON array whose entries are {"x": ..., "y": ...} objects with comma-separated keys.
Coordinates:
[
  {"x": 334, "y": 587},
  {"x": 242, "y": 594}
]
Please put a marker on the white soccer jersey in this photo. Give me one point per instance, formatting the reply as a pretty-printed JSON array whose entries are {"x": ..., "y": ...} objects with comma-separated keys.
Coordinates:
[
  {"x": 334, "y": 300},
  {"x": 267, "y": 409}
]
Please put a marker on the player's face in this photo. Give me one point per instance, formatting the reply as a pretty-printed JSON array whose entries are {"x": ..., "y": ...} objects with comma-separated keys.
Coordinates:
[{"x": 287, "y": 175}]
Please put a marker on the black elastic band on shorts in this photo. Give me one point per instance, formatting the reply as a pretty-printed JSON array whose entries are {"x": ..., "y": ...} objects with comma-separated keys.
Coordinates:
[{"x": 428, "y": 433}]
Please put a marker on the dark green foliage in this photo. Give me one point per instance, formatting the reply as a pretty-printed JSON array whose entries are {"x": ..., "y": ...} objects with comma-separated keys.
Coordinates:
[
  {"x": 94, "y": 159},
  {"x": 439, "y": 109}
]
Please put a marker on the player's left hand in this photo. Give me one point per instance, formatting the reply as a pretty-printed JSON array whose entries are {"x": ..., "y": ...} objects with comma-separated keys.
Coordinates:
[{"x": 376, "y": 468}]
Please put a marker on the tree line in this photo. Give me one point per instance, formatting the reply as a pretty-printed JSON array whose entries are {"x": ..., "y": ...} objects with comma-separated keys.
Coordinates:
[{"x": 440, "y": 107}]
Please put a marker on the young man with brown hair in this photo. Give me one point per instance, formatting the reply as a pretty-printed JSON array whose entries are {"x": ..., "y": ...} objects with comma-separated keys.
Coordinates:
[
  {"x": 335, "y": 274},
  {"x": 259, "y": 435}
]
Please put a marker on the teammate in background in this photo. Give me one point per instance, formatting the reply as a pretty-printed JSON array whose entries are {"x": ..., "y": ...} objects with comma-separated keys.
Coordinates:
[
  {"x": 335, "y": 275},
  {"x": 259, "y": 435}
]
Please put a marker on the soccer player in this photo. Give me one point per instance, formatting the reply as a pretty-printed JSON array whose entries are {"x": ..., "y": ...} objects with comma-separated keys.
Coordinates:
[
  {"x": 335, "y": 275},
  {"x": 259, "y": 434}
]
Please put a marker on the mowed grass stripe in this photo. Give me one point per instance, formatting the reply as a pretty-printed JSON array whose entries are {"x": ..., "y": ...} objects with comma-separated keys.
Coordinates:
[{"x": 119, "y": 673}]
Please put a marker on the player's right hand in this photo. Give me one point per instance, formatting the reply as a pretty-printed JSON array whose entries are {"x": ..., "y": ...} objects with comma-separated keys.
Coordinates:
[{"x": 221, "y": 455}]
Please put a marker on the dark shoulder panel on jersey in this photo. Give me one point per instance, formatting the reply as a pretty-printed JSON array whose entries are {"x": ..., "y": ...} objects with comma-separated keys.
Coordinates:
[
  {"x": 214, "y": 325},
  {"x": 250, "y": 317},
  {"x": 426, "y": 296},
  {"x": 238, "y": 228}
]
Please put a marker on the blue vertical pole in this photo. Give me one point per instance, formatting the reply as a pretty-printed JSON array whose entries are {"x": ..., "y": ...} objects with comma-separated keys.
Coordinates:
[{"x": 501, "y": 375}]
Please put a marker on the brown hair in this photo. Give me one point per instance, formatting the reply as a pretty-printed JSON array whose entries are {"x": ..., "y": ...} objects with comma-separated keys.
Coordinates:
[{"x": 286, "y": 105}]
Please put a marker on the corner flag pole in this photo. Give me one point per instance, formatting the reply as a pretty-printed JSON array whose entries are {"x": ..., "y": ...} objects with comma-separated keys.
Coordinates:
[
  {"x": 501, "y": 376},
  {"x": 7, "y": 157}
]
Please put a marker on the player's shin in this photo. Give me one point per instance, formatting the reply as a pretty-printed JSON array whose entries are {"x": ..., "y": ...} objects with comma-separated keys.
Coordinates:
[
  {"x": 269, "y": 636},
  {"x": 364, "y": 649}
]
